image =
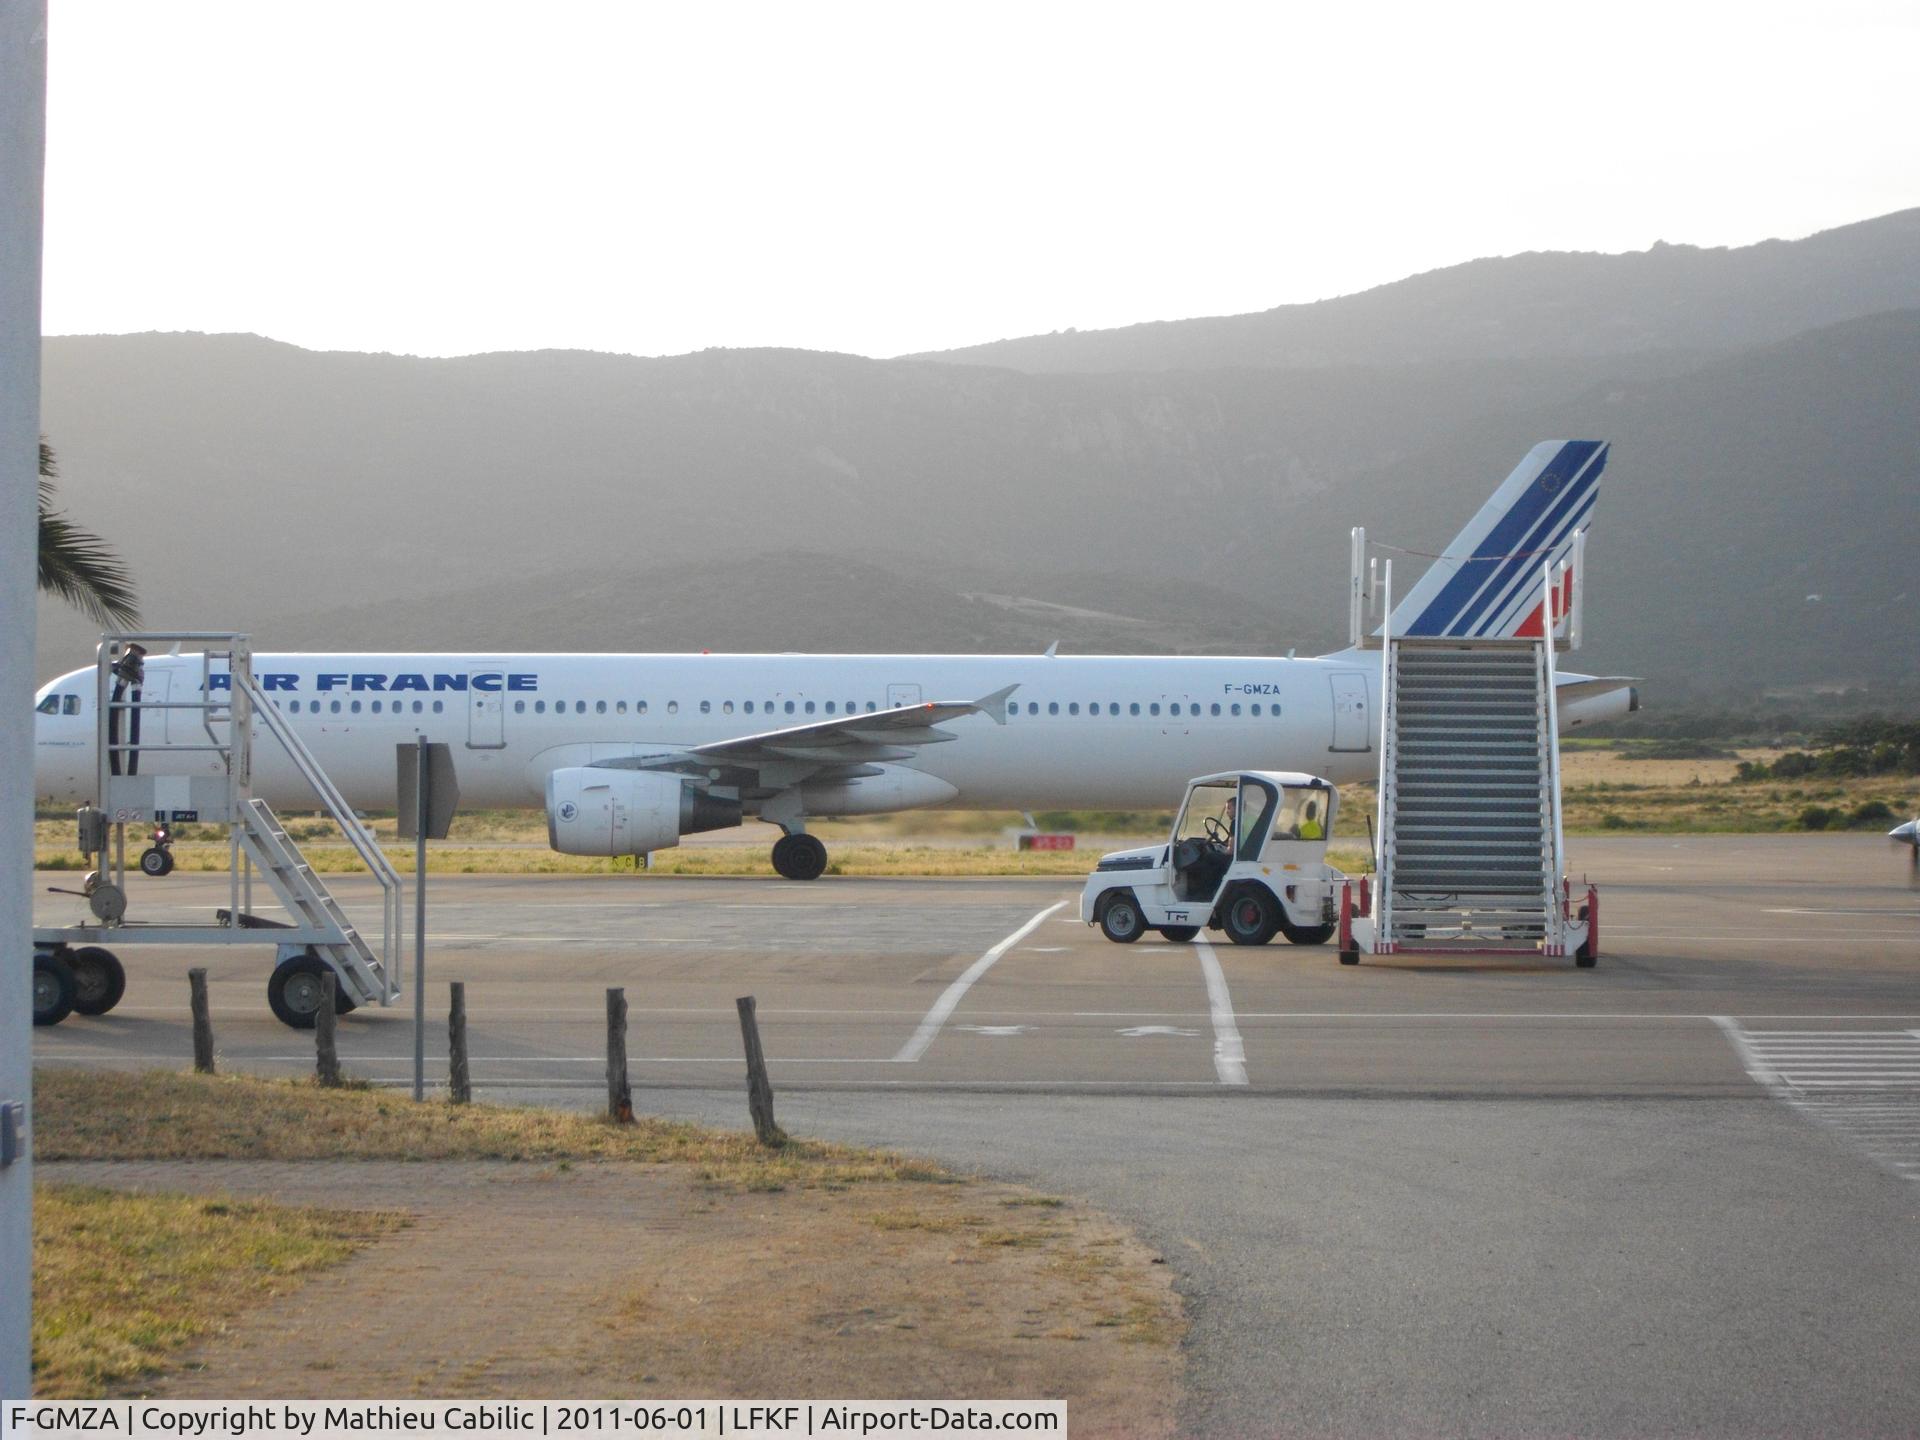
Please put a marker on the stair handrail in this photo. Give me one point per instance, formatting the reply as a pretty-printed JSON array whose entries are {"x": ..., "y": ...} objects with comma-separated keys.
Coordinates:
[
  {"x": 1555, "y": 919},
  {"x": 358, "y": 836},
  {"x": 1385, "y": 798}
]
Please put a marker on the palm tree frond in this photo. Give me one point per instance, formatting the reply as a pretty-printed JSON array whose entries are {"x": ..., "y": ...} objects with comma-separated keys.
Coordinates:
[{"x": 78, "y": 566}]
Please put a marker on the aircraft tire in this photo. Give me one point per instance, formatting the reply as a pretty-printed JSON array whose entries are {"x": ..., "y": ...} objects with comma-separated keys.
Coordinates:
[
  {"x": 799, "y": 857},
  {"x": 53, "y": 988},
  {"x": 294, "y": 990},
  {"x": 1120, "y": 918},
  {"x": 156, "y": 862},
  {"x": 1179, "y": 934},
  {"x": 99, "y": 979},
  {"x": 1251, "y": 916}
]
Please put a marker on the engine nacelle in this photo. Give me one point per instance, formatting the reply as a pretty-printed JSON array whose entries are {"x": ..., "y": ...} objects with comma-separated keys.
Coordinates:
[
  {"x": 1608, "y": 705},
  {"x": 596, "y": 811}
]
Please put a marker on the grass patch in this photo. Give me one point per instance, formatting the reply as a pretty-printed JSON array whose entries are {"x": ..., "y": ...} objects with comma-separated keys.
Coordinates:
[
  {"x": 93, "y": 1115},
  {"x": 121, "y": 1281}
]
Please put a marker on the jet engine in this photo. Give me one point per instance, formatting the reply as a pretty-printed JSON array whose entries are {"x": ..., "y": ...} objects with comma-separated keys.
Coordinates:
[{"x": 595, "y": 811}]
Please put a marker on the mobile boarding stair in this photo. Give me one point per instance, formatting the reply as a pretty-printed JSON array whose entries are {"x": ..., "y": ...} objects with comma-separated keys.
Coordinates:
[
  {"x": 73, "y": 970},
  {"x": 1471, "y": 851}
]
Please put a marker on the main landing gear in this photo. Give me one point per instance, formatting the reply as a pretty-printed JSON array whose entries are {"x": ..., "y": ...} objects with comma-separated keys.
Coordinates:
[{"x": 799, "y": 857}]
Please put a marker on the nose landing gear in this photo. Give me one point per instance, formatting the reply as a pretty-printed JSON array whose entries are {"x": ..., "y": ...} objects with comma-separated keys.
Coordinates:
[{"x": 157, "y": 859}]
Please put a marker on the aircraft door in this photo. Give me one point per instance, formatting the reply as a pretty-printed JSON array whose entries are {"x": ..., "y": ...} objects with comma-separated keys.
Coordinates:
[
  {"x": 899, "y": 695},
  {"x": 486, "y": 710},
  {"x": 1350, "y": 728}
]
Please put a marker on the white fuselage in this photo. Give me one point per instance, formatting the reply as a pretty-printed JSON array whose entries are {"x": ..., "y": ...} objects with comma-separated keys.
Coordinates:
[{"x": 1093, "y": 732}]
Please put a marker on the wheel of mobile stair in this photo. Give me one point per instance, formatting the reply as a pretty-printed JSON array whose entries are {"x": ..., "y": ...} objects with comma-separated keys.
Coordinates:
[
  {"x": 99, "y": 979},
  {"x": 295, "y": 989},
  {"x": 53, "y": 988}
]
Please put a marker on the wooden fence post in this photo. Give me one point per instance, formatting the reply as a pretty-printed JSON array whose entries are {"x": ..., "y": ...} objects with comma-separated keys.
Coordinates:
[
  {"x": 619, "y": 1094},
  {"x": 326, "y": 1059},
  {"x": 202, "y": 1023},
  {"x": 459, "y": 1085},
  {"x": 759, "y": 1087}
]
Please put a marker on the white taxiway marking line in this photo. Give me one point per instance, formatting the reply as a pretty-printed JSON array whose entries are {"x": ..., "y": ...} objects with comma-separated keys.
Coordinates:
[
  {"x": 1229, "y": 1055},
  {"x": 1863, "y": 1083},
  {"x": 951, "y": 997}
]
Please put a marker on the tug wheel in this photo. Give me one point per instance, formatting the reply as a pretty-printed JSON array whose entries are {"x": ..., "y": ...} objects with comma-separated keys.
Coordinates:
[
  {"x": 1179, "y": 934},
  {"x": 1251, "y": 917},
  {"x": 1121, "y": 920}
]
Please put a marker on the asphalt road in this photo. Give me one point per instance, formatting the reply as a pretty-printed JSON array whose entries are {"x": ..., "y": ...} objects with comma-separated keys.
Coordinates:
[{"x": 1679, "y": 1193}]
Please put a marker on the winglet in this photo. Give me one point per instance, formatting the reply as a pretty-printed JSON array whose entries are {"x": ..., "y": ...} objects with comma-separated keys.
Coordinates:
[{"x": 995, "y": 705}]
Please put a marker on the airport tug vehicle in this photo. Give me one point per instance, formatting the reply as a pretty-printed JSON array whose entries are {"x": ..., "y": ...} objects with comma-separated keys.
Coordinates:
[{"x": 1248, "y": 855}]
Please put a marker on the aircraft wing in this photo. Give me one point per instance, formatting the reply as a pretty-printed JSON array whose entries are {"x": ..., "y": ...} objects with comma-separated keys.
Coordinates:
[
  {"x": 846, "y": 742},
  {"x": 1579, "y": 687}
]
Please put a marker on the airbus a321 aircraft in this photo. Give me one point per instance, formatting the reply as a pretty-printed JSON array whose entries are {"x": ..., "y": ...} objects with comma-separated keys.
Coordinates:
[{"x": 628, "y": 753}]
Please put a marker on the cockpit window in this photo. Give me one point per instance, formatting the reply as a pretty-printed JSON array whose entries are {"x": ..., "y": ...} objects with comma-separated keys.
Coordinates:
[
  {"x": 69, "y": 704},
  {"x": 48, "y": 706}
]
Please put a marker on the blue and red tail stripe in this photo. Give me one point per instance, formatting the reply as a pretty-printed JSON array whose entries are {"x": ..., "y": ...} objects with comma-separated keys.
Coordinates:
[{"x": 1496, "y": 591}]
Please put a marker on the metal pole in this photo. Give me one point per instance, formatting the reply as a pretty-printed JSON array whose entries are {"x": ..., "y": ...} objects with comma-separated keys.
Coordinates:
[
  {"x": 23, "y": 112},
  {"x": 420, "y": 919}
]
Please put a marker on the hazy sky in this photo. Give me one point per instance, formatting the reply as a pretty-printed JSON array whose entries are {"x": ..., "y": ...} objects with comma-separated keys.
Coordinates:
[{"x": 442, "y": 178}]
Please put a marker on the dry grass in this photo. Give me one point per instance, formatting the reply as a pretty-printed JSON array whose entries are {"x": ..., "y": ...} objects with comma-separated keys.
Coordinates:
[
  {"x": 93, "y": 1115},
  {"x": 122, "y": 1281}
]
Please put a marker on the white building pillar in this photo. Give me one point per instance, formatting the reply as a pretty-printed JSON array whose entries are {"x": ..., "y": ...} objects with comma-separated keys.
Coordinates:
[{"x": 23, "y": 128}]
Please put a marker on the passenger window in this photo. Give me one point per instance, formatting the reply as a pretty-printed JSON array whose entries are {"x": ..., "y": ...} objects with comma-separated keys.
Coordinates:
[
  {"x": 871, "y": 707},
  {"x": 355, "y": 707},
  {"x": 1033, "y": 707},
  {"x": 706, "y": 707},
  {"x": 851, "y": 707},
  {"x": 599, "y": 707},
  {"x": 726, "y": 707},
  {"x": 619, "y": 707},
  {"x": 48, "y": 706},
  {"x": 1236, "y": 707},
  {"x": 809, "y": 707},
  {"x": 418, "y": 707},
  {"x": 1174, "y": 709},
  {"x": 1154, "y": 708},
  {"x": 673, "y": 707},
  {"x": 438, "y": 707},
  {"x": 1113, "y": 708},
  {"x": 519, "y": 707},
  {"x": 639, "y": 707},
  {"x": 1073, "y": 707},
  {"x": 1134, "y": 708},
  {"x": 789, "y": 707},
  {"x": 1216, "y": 707},
  {"x": 1053, "y": 707},
  {"x": 829, "y": 707},
  {"x": 376, "y": 707},
  {"x": 334, "y": 707},
  {"x": 579, "y": 707},
  {"x": 539, "y": 707},
  {"x": 747, "y": 706},
  {"x": 1256, "y": 708}
]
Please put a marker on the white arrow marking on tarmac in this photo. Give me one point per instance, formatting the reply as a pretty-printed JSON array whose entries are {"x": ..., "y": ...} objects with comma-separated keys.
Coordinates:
[
  {"x": 1138, "y": 1030},
  {"x": 996, "y": 1029}
]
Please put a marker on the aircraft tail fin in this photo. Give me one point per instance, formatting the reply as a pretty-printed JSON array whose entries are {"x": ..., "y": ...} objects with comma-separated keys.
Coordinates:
[{"x": 1487, "y": 584}]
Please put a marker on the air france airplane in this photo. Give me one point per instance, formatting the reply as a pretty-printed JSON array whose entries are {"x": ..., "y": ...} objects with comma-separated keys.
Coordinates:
[{"x": 628, "y": 753}]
